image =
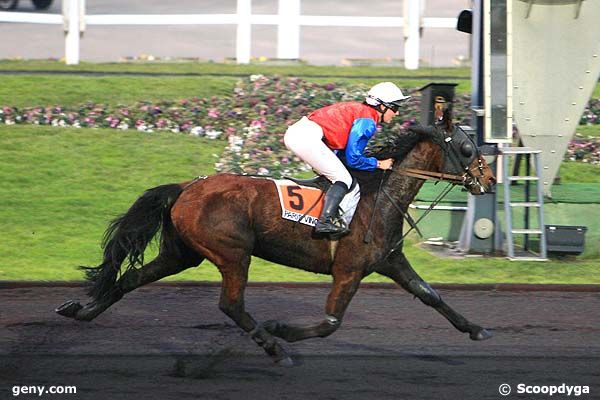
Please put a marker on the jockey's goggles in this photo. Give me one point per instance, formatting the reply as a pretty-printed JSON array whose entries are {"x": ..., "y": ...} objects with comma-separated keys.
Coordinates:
[{"x": 392, "y": 105}]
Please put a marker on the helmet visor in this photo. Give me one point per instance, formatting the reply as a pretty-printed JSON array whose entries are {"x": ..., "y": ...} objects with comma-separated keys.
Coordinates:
[{"x": 399, "y": 102}]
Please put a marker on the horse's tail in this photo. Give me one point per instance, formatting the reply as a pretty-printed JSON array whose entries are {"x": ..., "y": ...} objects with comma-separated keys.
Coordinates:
[{"x": 128, "y": 236}]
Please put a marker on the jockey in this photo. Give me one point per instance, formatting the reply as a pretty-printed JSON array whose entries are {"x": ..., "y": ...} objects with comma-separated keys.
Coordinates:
[{"x": 344, "y": 128}]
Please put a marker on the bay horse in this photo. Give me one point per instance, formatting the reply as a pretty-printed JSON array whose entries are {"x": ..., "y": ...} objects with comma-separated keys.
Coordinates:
[{"x": 228, "y": 218}]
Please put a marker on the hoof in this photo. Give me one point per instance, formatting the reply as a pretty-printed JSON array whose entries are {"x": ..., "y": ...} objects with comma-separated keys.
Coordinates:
[
  {"x": 482, "y": 334},
  {"x": 69, "y": 309},
  {"x": 271, "y": 326},
  {"x": 285, "y": 362}
]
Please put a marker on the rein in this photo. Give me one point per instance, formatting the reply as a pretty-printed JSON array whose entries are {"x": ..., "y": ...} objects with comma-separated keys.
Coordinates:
[
  {"x": 413, "y": 224},
  {"x": 369, "y": 234},
  {"x": 430, "y": 175}
]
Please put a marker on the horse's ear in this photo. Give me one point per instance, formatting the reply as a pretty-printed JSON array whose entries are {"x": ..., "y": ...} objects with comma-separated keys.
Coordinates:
[{"x": 448, "y": 119}]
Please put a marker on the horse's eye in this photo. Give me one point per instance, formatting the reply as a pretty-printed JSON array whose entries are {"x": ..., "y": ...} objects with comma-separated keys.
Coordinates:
[{"x": 466, "y": 149}]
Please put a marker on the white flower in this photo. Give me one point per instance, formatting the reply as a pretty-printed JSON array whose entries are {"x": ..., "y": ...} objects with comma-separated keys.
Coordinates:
[
  {"x": 235, "y": 140},
  {"x": 197, "y": 131},
  {"x": 123, "y": 126},
  {"x": 256, "y": 77},
  {"x": 213, "y": 134},
  {"x": 9, "y": 122}
]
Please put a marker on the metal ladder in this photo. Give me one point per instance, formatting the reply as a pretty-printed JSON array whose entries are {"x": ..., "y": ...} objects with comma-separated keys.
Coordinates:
[{"x": 526, "y": 254}]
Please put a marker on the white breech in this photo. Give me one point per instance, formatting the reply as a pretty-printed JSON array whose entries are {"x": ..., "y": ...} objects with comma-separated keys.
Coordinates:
[{"x": 305, "y": 139}]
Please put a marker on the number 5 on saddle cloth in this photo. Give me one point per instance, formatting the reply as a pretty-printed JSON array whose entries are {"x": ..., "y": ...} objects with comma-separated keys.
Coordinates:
[{"x": 302, "y": 201}]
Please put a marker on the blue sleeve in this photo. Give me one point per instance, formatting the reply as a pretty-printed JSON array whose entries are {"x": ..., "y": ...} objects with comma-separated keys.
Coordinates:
[{"x": 362, "y": 130}]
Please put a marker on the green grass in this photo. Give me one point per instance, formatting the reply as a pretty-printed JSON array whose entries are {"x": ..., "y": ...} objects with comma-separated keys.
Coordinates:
[
  {"x": 61, "y": 187},
  {"x": 71, "y": 91},
  {"x": 588, "y": 130},
  {"x": 596, "y": 92},
  {"x": 188, "y": 67},
  {"x": 571, "y": 171}
]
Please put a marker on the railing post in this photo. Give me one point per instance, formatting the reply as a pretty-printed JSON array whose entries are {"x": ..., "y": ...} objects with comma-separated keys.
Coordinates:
[
  {"x": 244, "y": 32},
  {"x": 412, "y": 17},
  {"x": 71, "y": 16},
  {"x": 288, "y": 29}
]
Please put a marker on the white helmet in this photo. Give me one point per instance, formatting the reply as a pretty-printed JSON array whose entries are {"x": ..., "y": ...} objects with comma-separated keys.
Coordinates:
[{"x": 385, "y": 93}]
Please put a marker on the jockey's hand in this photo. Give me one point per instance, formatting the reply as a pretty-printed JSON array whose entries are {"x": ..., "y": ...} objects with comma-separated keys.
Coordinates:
[{"x": 385, "y": 164}]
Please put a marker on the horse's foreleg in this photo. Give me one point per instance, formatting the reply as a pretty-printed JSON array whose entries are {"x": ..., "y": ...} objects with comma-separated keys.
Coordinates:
[
  {"x": 235, "y": 278},
  {"x": 163, "y": 265},
  {"x": 399, "y": 269},
  {"x": 339, "y": 298}
]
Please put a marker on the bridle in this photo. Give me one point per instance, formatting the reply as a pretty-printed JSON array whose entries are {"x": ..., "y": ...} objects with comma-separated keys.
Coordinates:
[{"x": 461, "y": 172}]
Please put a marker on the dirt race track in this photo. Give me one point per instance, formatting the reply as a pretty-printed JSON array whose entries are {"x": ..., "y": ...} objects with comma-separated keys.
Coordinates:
[{"x": 172, "y": 342}]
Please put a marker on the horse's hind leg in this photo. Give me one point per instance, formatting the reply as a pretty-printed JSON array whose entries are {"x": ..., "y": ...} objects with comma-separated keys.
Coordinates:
[
  {"x": 235, "y": 278},
  {"x": 399, "y": 269},
  {"x": 344, "y": 287},
  {"x": 163, "y": 265}
]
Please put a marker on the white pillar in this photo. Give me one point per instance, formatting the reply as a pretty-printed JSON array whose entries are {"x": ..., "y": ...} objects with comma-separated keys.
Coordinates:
[
  {"x": 244, "y": 32},
  {"x": 412, "y": 17},
  {"x": 288, "y": 29},
  {"x": 71, "y": 15}
]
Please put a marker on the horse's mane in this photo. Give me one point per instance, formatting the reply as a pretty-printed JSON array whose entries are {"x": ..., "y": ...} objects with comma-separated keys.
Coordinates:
[{"x": 397, "y": 147}]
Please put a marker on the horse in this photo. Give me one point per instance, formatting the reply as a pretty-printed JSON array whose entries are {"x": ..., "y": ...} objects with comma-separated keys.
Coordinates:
[{"x": 227, "y": 218}]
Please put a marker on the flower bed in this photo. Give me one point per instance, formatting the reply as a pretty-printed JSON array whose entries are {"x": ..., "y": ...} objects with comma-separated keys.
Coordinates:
[
  {"x": 584, "y": 150},
  {"x": 253, "y": 120}
]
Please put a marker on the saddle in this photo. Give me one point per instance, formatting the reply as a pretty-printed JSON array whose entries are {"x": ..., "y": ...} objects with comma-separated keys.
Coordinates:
[{"x": 320, "y": 182}]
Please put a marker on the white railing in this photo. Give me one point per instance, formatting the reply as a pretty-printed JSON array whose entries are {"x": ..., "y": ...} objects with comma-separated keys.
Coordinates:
[{"x": 288, "y": 21}]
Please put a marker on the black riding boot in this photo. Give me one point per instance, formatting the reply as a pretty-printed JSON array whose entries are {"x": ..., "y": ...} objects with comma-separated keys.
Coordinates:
[{"x": 329, "y": 222}]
